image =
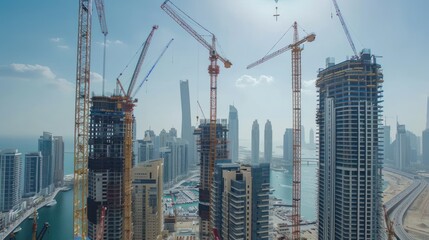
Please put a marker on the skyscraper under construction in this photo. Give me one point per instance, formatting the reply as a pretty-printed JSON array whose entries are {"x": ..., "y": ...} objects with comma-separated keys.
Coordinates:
[
  {"x": 203, "y": 143},
  {"x": 105, "y": 165},
  {"x": 350, "y": 151}
]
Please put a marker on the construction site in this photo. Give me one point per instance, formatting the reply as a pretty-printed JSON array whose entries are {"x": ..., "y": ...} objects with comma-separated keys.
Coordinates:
[{"x": 109, "y": 181}]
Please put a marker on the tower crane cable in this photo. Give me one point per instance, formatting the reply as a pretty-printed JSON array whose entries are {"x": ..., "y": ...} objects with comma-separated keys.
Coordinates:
[
  {"x": 284, "y": 34},
  {"x": 201, "y": 26}
]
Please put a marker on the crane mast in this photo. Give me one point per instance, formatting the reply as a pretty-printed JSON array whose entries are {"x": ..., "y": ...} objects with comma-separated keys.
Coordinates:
[
  {"x": 346, "y": 30},
  {"x": 128, "y": 104},
  {"x": 213, "y": 71},
  {"x": 80, "y": 187},
  {"x": 99, "y": 4},
  {"x": 296, "y": 119},
  {"x": 296, "y": 141},
  {"x": 80, "y": 222}
]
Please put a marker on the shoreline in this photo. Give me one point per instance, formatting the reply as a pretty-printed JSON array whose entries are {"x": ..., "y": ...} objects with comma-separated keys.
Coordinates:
[{"x": 28, "y": 212}]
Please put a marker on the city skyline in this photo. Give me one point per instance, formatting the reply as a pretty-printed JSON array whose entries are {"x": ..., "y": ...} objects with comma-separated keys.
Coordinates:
[{"x": 37, "y": 74}]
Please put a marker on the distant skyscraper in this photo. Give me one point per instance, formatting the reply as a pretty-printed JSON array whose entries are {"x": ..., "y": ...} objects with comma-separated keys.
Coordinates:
[
  {"x": 179, "y": 157},
  {"x": 303, "y": 142},
  {"x": 311, "y": 137},
  {"x": 58, "y": 160},
  {"x": 414, "y": 147},
  {"x": 349, "y": 177},
  {"x": 268, "y": 142},
  {"x": 146, "y": 150},
  {"x": 147, "y": 200},
  {"x": 172, "y": 132},
  {"x": 10, "y": 173},
  {"x": 387, "y": 141},
  {"x": 46, "y": 147},
  {"x": 32, "y": 174},
  {"x": 288, "y": 146},
  {"x": 203, "y": 133},
  {"x": 425, "y": 148},
  {"x": 402, "y": 148},
  {"x": 233, "y": 133},
  {"x": 240, "y": 201},
  {"x": 105, "y": 166},
  {"x": 255, "y": 142},
  {"x": 187, "y": 133}
]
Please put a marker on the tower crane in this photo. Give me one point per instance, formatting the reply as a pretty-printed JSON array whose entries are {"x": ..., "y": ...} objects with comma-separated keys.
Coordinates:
[
  {"x": 296, "y": 106},
  {"x": 346, "y": 31},
  {"x": 99, "y": 4},
  {"x": 83, "y": 69},
  {"x": 128, "y": 104},
  {"x": 213, "y": 71},
  {"x": 151, "y": 69}
]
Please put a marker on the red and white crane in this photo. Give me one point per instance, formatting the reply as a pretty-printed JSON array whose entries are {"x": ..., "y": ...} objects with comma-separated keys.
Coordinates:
[
  {"x": 213, "y": 70},
  {"x": 296, "y": 106},
  {"x": 100, "y": 225}
]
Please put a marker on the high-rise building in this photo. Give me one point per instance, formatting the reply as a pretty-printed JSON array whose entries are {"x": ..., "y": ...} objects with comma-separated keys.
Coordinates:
[
  {"x": 10, "y": 173},
  {"x": 203, "y": 133},
  {"x": 32, "y": 174},
  {"x": 268, "y": 142},
  {"x": 217, "y": 191},
  {"x": 350, "y": 179},
  {"x": 187, "y": 133},
  {"x": 146, "y": 149},
  {"x": 46, "y": 147},
  {"x": 172, "y": 133},
  {"x": 311, "y": 137},
  {"x": 255, "y": 142},
  {"x": 147, "y": 200},
  {"x": 179, "y": 157},
  {"x": 425, "y": 148},
  {"x": 165, "y": 153},
  {"x": 425, "y": 139},
  {"x": 233, "y": 133},
  {"x": 240, "y": 201},
  {"x": 105, "y": 166},
  {"x": 402, "y": 148},
  {"x": 414, "y": 147},
  {"x": 303, "y": 142},
  {"x": 288, "y": 146},
  {"x": 58, "y": 160},
  {"x": 387, "y": 143}
]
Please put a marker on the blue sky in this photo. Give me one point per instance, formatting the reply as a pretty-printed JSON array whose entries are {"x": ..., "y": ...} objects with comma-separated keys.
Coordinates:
[{"x": 38, "y": 59}]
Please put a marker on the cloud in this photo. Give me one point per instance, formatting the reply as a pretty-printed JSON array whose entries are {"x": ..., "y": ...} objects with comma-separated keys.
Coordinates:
[
  {"x": 110, "y": 42},
  {"x": 59, "y": 43},
  {"x": 309, "y": 87},
  {"x": 34, "y": 73},
  {"x": 249, "y": 81},
  {"x": 56, "y": 40},
  {"x": 96, "y": 77}
]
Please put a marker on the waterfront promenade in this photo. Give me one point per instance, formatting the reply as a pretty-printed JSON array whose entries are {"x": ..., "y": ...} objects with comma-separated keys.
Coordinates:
[{"x": 30, "y": 210}]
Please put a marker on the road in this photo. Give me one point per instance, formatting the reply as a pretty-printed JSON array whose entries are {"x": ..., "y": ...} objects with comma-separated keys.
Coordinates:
[{"x": 398, "y": 205}]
